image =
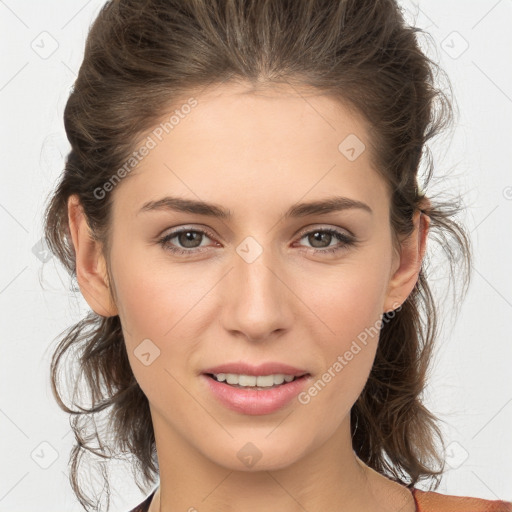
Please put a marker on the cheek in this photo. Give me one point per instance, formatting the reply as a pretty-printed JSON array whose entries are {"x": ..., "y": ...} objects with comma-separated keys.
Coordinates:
[
  {"x": 148, "y": 307},
  {"x": 349, "y": 303},
  {"x": 347, "y": 299},
  {"x": 158, "y": 301},
  {"x": 154, "y": 295},
  {"x": 355, "y": 321},
  {"x": 347, "y": 355}
]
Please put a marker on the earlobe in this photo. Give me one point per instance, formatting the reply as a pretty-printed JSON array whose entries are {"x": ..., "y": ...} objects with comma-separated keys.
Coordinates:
[
  {"x": 90, "y": 264},
  {"x": 410, "y": 258}
]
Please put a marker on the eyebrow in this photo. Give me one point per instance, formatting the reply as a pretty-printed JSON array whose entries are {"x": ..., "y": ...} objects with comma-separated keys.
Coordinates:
[{"x": 321, "y": 207}]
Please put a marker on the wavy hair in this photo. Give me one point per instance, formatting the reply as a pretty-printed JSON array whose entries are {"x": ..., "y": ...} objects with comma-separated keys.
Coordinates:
[{"x": 140, "y": 57}]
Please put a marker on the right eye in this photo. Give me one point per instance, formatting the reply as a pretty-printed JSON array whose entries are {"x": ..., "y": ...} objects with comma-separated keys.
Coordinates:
[{"x": 187, "y": 237}]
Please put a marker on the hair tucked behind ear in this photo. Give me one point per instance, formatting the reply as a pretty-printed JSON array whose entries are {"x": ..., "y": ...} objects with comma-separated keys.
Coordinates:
[{"x": 141, "y": 57}]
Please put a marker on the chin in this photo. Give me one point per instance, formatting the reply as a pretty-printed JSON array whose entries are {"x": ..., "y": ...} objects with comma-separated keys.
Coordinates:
[{"x": 254, "y": 454}]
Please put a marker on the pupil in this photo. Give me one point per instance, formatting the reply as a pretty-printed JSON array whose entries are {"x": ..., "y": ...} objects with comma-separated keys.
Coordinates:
[
  {"x": 318, "y": 236},
  {"x": 189, "y": 237}
]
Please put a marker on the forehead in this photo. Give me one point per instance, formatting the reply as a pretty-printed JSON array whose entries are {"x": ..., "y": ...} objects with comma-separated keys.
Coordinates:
[
  {"x": 270, "y": 115},
  {"x": 253, "y": 147}
]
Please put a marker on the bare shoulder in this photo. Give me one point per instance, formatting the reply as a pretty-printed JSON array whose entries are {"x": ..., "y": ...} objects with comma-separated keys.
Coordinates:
[{"x": 390, "y": 496}]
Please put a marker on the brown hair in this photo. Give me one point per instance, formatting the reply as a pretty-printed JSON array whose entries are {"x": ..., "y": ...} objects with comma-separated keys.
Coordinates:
[{"x": 140, "y": 57}]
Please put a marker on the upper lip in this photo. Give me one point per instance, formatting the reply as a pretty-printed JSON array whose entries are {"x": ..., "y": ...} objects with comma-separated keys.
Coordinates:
[{"x": 269, "y": 368}]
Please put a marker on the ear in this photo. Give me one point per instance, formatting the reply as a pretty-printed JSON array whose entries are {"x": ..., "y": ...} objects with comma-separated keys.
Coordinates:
[
  {"x": 408, "y": 262},
  {"x": 90, "y": 264}
]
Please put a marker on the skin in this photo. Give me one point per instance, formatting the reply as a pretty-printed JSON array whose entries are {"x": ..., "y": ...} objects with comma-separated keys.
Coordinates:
[{"x": 256, "y": 154}]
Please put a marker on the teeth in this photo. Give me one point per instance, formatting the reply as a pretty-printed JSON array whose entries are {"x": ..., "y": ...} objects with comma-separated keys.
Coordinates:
[{"x": 264, "y": 381}]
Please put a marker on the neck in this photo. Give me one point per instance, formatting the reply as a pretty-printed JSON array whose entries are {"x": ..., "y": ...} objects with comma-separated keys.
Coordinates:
[{"x": 330, "y": 478}]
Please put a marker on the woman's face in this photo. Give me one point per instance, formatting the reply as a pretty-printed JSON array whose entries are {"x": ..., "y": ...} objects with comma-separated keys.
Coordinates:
[{"x": 267, "y": 282}]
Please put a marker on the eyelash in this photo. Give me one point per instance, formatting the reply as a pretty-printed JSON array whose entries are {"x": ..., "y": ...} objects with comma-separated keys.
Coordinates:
[{"x": 345, "y": 239}]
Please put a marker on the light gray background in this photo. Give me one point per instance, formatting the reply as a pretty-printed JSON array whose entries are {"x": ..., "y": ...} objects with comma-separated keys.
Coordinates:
[{"x": 470, "y": 386}]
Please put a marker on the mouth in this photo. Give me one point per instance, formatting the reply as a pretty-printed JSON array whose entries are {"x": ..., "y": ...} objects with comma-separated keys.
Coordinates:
[
  {"x": 257, "y": 383},
  {"x": 255, "y": 394}
]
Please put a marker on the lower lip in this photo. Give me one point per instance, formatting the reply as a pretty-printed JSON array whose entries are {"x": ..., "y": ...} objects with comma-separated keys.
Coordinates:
[{"x": 254, "y": 401}]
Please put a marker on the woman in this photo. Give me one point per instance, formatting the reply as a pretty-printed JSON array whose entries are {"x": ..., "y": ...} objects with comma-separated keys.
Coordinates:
[{"x": 242, "y": 211}]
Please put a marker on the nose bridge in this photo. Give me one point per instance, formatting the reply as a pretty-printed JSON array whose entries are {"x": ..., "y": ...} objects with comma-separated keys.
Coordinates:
[
  {"x": 256, "y": 298},
  {"x": 256, "y": 283}
]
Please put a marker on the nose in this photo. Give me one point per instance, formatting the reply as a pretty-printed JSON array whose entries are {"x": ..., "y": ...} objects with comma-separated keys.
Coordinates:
[{"x": 257, "y": 299}]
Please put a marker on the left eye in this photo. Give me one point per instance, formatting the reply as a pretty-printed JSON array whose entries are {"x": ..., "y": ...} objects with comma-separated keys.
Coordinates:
[
  {"x": 329, "y": 235},
  {"x": 190, "y": 240}
]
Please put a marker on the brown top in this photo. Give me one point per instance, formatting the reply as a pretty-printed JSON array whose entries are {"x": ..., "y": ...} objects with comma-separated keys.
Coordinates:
[
  {"x": 430, "y": 501},
  {"x": 426, "y": 501}
]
